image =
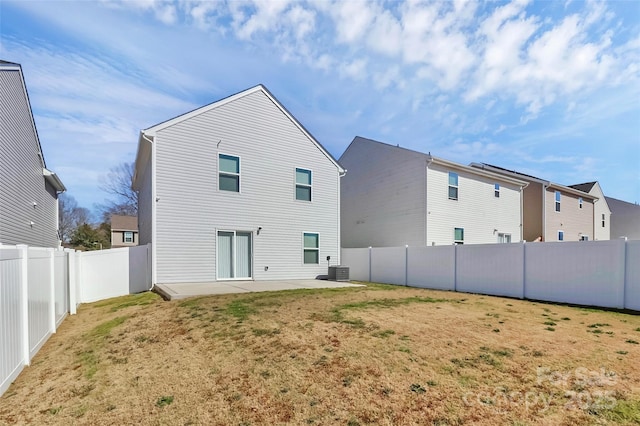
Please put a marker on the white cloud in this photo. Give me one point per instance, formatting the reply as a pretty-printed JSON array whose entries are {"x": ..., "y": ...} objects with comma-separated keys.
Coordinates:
[
  {"x": 352, "y": 19},
  {"x": 356, "y": 69}
]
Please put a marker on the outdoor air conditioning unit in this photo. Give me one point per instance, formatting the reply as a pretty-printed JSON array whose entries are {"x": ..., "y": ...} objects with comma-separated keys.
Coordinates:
[{"x": 339, "y": 273}]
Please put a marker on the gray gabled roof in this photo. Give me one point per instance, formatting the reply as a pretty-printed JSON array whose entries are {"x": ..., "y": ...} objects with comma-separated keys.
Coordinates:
[{"x": 584, "y": 187}]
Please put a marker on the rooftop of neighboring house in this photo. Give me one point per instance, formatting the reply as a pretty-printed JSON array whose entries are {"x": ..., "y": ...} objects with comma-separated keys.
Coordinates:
[
  {"x": 620, "y": 206},
  {"x": 124, "y": 223},
  {"x": 584, "y": 187},
  {"x": 569, "y": 189},
  {"x": 442, "y": 161}
]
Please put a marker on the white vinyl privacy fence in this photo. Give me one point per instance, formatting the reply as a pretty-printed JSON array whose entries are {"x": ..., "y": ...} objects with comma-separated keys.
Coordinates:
[
  {"x": 593, "y": 273},
  {"x": 39, "y": 287}
]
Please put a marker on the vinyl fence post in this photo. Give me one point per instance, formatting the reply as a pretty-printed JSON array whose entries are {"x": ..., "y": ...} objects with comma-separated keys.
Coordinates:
[
  {"x": 406, "y": 265},
  {"x": 370, "y": 264},
  {"x": 24, "y": 286},
  {"x": 625, "y": 279},
  {"x": 524, "y": 269},
  {"x": 72, "y": 285},
  {"x": 455, "y": 267},
  {"x": 52, "y": 291}
]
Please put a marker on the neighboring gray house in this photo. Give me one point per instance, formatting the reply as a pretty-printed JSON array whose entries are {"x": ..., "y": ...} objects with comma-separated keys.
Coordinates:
[
  {"x": 237, "y": 189},
  {"x": 625, "y": 219},
  {"x": 601, "y": 210},
  {"x": 393, "y": 196},
  {"x": 28, "y": 190},
  {"x": 124, "y": 231}
]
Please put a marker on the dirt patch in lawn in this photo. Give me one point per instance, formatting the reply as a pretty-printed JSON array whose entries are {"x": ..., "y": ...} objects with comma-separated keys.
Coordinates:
[{"x": 356, "y": 356}]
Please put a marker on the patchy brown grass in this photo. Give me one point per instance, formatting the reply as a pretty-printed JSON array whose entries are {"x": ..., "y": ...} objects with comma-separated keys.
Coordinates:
[{"x": 375, "y": 355}]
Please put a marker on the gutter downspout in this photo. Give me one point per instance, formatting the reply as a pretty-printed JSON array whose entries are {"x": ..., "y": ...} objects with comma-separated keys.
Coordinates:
[
  {"x": 154, "y": 200},
  {"x": 522, "y": 188},
  {"x": 426, "y": 204},
  {"x": 544, "y": 211}
]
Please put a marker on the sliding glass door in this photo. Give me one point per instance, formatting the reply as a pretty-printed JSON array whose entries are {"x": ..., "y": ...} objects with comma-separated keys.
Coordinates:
[{"x": 234, "y": 255}]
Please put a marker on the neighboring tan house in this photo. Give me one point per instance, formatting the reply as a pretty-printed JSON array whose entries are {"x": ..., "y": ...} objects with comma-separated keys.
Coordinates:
[
  {"x": 601, "y": 211},
  {"x": 552, "y": 211},
  {"x": 393, "y": 196},
  {"x": 625, "y": 219},
  {"x": 28, "y": 190},
  {"x": 124, "y": 231},
  {"x": 237, "y": 189}
]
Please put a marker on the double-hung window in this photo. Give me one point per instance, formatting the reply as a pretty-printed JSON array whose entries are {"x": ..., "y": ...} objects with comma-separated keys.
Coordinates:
[
  {"x": 303, "y": 184},
  {"x": 603, "y": 220},
  {"x": 229, "y": 173},
  {"x": 557, "y": 201},
  {"x": 580, "y": 202},
  {"x": 311, "y": 250},
  {"x": 560, "y": 235},
  {"x": 504, "y": 238},
  {"x": 453, "y": 186},
  {"x": 128, "y": 236},
  {"x": 496, "y": 190},
  {"x": 458, "y": 236}
]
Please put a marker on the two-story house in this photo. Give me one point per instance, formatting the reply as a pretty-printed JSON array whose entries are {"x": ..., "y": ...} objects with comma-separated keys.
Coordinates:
[
  {"x": 625, "y": 219},
  {"x": 28, "y": 189},
  {"x": 393, "y": 196},
  {"x": 601, "y": 210},
  {"x": 237, "y": 190},
  {"x": 552, "y": 212},
  {"x": 124, "y": 231}
]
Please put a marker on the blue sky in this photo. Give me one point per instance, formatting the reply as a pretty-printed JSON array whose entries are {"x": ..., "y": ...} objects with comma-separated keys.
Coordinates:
[{"x": 547, "y": 88}]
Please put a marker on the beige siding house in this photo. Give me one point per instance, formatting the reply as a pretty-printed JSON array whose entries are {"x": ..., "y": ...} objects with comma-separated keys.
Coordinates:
[
  {"x": 124, "y": 231},
  {"x": 393, "y": 196},
  {"x": 552, "y": 212},
  {"x": 601, "y": 210},
  {"x": 237, "y": 190},
  {"x": 29, "y": 195}
]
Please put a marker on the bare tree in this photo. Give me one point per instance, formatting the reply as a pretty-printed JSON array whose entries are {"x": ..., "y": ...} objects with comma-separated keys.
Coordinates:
[
  {"x": 117, "y": 183},
  {"x": 70, "y": 216}
]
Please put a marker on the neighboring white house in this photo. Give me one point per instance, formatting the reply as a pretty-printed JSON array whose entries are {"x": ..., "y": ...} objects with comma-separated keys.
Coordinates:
[
  {"x": 601, "y": 210},
  {"x": 28, "y": 190},
  {"x": 237, "y": 189},
  {"x": 393, "y": 196}
]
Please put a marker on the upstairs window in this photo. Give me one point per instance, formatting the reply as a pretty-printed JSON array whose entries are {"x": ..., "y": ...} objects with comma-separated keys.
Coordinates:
[
  {"x": 311, "y": 251},
  {"x": 496, "y": 190},
  {"x": 603, "y": 220},
  {"x": 229, "y": 176},
  {"x": 128, "y": 236},
  {"x": 453, "y": 186},
  {"x": 557, "y": 201},
  {"x": 580, "y": 202},
  {"x": 458, "y": 236},
  {"x": 303, "y": 185}
]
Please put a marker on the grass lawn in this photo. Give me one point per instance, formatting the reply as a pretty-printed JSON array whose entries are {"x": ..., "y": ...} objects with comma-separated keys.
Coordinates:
[{"x": 371, "y": 355}]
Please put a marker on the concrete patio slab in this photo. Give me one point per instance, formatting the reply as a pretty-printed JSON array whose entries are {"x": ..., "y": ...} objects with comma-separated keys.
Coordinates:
[{"x": 184, "y": 290}]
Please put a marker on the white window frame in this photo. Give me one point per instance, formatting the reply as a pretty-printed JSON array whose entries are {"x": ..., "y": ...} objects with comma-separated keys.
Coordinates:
[
  {"x": 456, "y": 186},
  {"x": 579, "y": 202},
  {"x": 496, "y": 190},
  {"x": 458, "y": 242},
  {"x": 296, "y": 184},
  {"x": 558, "y": 198},
  {"x": 502, "y": 236},
  {"x": 304, "y": 248},
  {"x": 220, "y": 172},
  {"x": 603, "y": 220},
  {"x": 560, "y": 235},
  {"x": 584, "y": 237},
  {"x": 124, "y": 237}
]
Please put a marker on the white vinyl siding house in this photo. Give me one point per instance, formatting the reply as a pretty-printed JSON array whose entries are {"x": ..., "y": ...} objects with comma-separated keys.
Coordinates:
[
  {"x": 393, "y": 196},
  {"x": 218, "y": 194},
  {"x": 29, "y": 191}
]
